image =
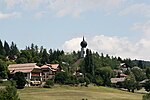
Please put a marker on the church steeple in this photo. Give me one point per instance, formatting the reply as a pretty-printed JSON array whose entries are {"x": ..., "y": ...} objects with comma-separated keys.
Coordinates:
[{"x": 83, "y": 45}]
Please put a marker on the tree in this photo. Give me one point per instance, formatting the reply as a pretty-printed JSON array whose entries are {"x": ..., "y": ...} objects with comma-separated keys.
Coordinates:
[
  {"x": 119, "y": 59},
  {"x": 128, "y": 62},
  {"x": 45, "y": 57},
  {"x": 21, "y": 60},
  {"x": 2, "y": 50},
  {"x": 140, "y": 64},
  {"x": 20, "y": 80},
  {"x": 3, "y": 70},
  {"x": 147, "y": 86},
  {"x": 130, "y": 83},
  {"x": 68, "y": 62},
  {"x": 26, "y": 54},
  {"x": 14, "y": 52},
  {"x": 138, "y": 86},
  {"x": 114, "y": 63},
  {"x": 55, "y": 55},
  {"x": 88, "y": 66},
  {"x": 148, "y": 72},
  {"x": 87, "y": 81},
  {"x": 138, "y": 73},
  {"x": 106, "y": 73},
  {"x": 6, "y": 48}
]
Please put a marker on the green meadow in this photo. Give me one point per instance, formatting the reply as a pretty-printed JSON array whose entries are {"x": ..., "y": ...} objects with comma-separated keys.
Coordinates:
[{"x": 76, "y": 93}]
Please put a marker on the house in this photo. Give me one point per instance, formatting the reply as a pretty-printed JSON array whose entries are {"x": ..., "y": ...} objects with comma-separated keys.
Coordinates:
[
  {"x": 31, "y": 70},
  {"x": 35, "y": 74},
  {"x": 49, "y": 71},
  {"x": 78, "y": 74},
  {"x": 120, "y": 76},
  {"x": 124, "y": 67},
  {"x": 116, "y": 80}
]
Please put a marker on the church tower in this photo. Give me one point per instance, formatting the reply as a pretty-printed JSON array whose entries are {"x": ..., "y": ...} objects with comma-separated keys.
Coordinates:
[{"x": 83, "y": 45}]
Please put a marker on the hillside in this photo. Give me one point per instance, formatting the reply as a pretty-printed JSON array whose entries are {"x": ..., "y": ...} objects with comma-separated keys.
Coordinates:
[{"x": 77, "y": 93}]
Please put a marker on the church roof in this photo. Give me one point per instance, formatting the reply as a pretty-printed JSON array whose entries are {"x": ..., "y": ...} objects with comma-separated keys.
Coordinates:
[{"x": 83, "y": 43}]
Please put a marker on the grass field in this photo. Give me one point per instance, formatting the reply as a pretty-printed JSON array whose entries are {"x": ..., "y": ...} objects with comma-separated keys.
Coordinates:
[{"x": 76, "y": 93}]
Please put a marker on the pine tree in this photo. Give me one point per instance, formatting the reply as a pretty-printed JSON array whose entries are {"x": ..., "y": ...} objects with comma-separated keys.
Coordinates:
[
  {"x": 2, "y": 51},
  {"x": 6, "y": 48},
  {"x": 45, "y": 57},
  {"x": 89, "y": 67},
  {"x": 14, "y": 52}
]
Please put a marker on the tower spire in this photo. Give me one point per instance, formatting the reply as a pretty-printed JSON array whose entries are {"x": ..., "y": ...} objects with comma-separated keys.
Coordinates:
[
  {"x": 83, "y": 38},
  {"x": 83, "y": 45}
]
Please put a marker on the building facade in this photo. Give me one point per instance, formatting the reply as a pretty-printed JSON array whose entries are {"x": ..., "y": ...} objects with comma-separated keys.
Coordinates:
[
  {"x": 31, "y": 70},
  {"x": 49, "y": 71}
]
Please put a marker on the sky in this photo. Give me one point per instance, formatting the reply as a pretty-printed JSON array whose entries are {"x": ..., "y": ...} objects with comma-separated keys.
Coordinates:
[{"x": 114, "y": 27}]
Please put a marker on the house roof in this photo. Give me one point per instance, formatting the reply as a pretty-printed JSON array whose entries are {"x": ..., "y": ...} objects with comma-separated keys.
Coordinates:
[
  {"x": 115, "y": 80},
  {"x": 144, "y": 81},
  {"x": 78, "y": 61},
  {"x": 28, "y": 67},
  {"x": 123, "y": 75},
  {"x": 44, "y": 66},
  {"x": 52, "y": 67}
]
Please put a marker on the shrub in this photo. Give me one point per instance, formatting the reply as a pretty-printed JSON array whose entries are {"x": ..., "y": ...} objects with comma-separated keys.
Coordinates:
[
  {"x": 81, "y": 80},
  {"x": 61, "y": 77},
  {"x": 3, "y": 70},
  {"x": 48, "y": 84},
  {"x": 87, "y": 81},
  {"x": 10, "y": 93},
  {"x": 146, "y": 97},
  {"x": 147, "y": 86},
  {"x": 138, "y": 86},
  {"x": 98, "y": 81},
  {"x": 72, "y": 80},
  {"x": 7, "y": 83},
  {"x": 90, "y": 77}
]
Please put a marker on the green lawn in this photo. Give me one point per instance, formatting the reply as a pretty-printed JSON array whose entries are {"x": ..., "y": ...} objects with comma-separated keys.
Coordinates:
[{"x": 77, "y": 93}]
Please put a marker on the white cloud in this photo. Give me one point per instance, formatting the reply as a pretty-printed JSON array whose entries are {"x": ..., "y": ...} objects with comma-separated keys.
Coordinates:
[
  {"x": 33, "y": 4},
  {"x": 116, "y": 46},
  {"x": 25, "y": 4},
  {"x": 9, "y": 15},
  {"x": 65, "y": 7},
  {"x": 76, "y": 7},
  {"x": 73, "y": 44},
  {"x": 139, "y": 9},
  {"x": 144, "y": 27},
  {"x": 12, "y": 3}
]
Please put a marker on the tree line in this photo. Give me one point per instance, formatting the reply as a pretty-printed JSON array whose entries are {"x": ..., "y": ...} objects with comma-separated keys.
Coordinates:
[{"x": 96, "y": 68}]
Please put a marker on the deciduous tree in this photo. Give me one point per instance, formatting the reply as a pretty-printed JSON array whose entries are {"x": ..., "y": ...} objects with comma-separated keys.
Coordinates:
[{"x": 20, "y": 80}]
